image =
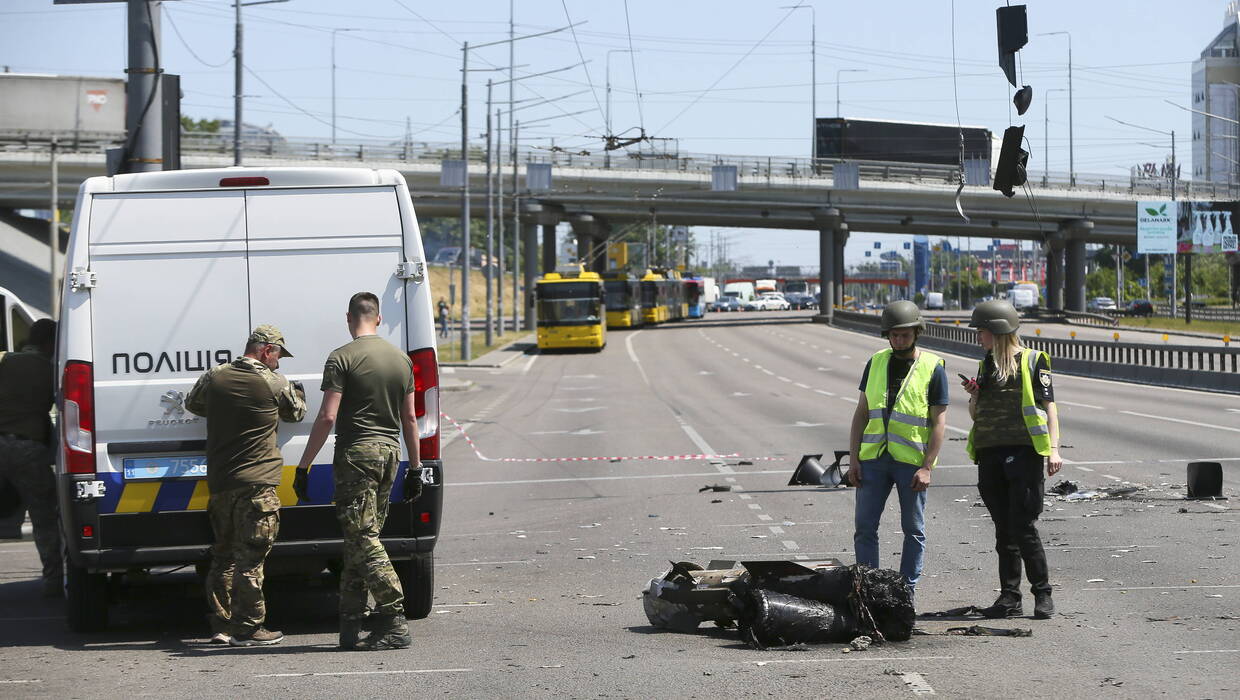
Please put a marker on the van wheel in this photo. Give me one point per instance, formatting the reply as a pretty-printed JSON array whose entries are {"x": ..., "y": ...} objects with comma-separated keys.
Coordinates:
[
  {"x": 417, "y": 580},
  {"x": 86, "y": 599}
]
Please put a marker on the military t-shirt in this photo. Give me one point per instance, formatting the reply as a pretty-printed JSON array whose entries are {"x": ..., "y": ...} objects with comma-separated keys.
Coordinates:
[
  {"x": 26, "y": 386},
  {"x": 373, "y": 378},
  {"x": 1000, "y": 418},
  {"x": 242, "y": 402}
]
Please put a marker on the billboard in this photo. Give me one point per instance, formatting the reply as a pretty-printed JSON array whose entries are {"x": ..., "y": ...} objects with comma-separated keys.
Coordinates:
[
  {"x": 1206, "y": 227},
  {"x": 1156, "y": 227}
]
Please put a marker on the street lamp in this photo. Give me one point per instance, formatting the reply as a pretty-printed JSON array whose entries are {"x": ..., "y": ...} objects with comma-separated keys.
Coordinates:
[
  {"x": 334, "y": 31},
  {"x": 1071, "y": 160},
  {"x": 607, "y": 115},
  {"x": 238, "y": 63},
  {"x": 813, "y": 78},
  {"x": 837, "y": 85}
]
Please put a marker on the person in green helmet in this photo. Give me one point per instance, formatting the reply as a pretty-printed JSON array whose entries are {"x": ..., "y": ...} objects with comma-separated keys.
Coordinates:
[
  {"x": 1015, "y": 435},
  {"x": 897, "y": 431}
]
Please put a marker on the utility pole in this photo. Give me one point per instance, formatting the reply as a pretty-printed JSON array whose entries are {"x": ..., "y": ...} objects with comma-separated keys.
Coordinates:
[
  {"x": 53, "y": 238},
  {"x": 334, "y": 32},
  {"x": 1071, "y": 141},
  {"x": 490, "y": 263},
  {"x": 237, "y": 65},
  {"x": 143, "y": 118},
  {"x": 813, "y": 81},
  {"x": 607, "y": 114},
  {"x": 517, "y": 301},
  {"x": 465, "y": 337},
  {"x": 499, "y": 196}
]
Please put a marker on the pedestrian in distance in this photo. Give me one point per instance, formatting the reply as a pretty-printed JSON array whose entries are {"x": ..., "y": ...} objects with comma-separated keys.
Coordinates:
[
  {"x": 243, "y": 402},
  {"x": 897, "y": 432},
  {"x": 368, "y": 397},
  {"x": 443, "y": 310},
  {"x": 27, "y": 386},
  {"x": 1015, "y": 435}
]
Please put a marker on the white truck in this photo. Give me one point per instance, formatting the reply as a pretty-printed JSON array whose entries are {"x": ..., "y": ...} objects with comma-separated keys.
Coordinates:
[
  {"x": 934, "y": 300},
  {"x": 744, "y": 291},
  {"x": 166, "y": 273}
]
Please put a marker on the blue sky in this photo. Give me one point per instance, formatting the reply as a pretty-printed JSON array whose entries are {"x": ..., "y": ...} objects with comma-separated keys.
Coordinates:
[{"x": 722, "y": 76}]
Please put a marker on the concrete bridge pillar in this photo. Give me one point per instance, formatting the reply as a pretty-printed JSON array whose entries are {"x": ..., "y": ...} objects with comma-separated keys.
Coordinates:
[
  {"x": 1054, "y": 273},
  {"x": 1075, "y": 232},
  {"x": 590, "y": 233},
  {"x": 828, "y": 221},
  {"x": 841, "y": 239},
  {"x": 534, "y": 215}
]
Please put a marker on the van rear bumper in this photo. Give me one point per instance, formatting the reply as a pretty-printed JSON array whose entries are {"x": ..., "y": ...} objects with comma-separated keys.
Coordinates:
[{"x": 119, "y": 559}]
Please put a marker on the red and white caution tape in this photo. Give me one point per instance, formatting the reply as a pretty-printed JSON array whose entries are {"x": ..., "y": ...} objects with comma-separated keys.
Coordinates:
[{"x": 660, "y": 458}]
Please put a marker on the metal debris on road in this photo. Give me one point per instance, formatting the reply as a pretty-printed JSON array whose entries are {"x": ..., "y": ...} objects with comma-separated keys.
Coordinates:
[
  {"x": 715, "y": 487},
  {"x": 980, "y": 631}
]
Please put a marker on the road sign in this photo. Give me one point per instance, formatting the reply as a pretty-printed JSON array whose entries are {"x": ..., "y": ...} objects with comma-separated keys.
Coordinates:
[{"x": 1126, "y": 256}]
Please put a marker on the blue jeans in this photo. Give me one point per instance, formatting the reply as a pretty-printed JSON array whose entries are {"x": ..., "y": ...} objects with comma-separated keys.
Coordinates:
[{"x": 877, "y": 478}]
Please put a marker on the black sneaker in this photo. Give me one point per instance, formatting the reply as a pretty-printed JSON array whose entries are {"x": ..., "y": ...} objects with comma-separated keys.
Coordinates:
[
  {"x": 258, "y": 637},
  {"x": 1043, "y": 606},
  {"x": 1006, "y": 605},
  {"x": 390, "y": 632}
]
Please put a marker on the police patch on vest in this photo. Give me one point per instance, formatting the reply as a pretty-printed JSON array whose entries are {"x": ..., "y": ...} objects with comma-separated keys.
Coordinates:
[{"x": 1044, "y": 376}]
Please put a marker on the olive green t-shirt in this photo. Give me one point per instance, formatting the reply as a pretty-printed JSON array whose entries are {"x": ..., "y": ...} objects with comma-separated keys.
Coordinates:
[
  {"x": 373, "y": 378},
  {"x": 26, "y": 386},
  {"x": 242, "y": 402}
]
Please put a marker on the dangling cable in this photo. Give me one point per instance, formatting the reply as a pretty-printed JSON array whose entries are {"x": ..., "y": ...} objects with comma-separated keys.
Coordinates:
[{"x": 959, "y": 127}]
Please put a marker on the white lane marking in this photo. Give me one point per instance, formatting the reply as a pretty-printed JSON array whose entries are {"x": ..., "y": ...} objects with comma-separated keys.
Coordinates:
[
  {"x": 849, "y": 398},
  {"x": 789, "y": 544},
  {"x": 738, "y": 488},
  {"x": 954, "y": 429},
  {"x": 803, "y": 386},
  {"x": 845, "y": 357},
  {"x": 917, "y": 684},
  {"x": 697, "y": 439},
  {"x": 363, "y": 673},
  {"x": 745, "y": 359},
  {"x": 767, "y": 371},
  {"x": 824, "y": 369},
  {"x": 1112, "y": 478},
  {"x": 823, "y": 392},
  {"x": 745, "y": 496},
  {"x": 1160, "y": 588},
  {"x": 486, "y": 563},
  {"x": 1207, "y": 651},
  {"x": 16, "y": 681},
  {"x": 1078, "y": 405},
  {"x": 776, "y": 530},
  {"x": 528, "y": 365},
  {"x": 764, "y": 516},
  {"x": 1217, "y": 506},
  {"x": 583, "y": 409},
  {"x": 854, "y": 658},
  {"x": 740, "y": 394},
  {"x": 784, "y": 379},
  {"x": 722, "y": 469},
  {"x": 1084, "y": 469},
  {"x": 628, "y": 345},
  {"x": 730, "y": 480},
  {"x": 464, "y": 605},
  {"x": 754, "y": 506},
  {"x": 1185, "y": 422}
]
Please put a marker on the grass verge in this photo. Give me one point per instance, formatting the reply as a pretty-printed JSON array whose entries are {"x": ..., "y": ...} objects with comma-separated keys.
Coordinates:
[
  {"x": 1222, "y": 328},
  {"x": 450, "y": 348}
]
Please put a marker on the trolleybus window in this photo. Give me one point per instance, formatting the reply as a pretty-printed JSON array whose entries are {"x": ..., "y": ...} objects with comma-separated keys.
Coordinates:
[{"x": 569, "y": 303}]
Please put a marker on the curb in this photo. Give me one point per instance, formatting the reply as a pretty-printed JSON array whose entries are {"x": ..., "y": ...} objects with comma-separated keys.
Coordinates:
[{"x": 494, "y": 365}]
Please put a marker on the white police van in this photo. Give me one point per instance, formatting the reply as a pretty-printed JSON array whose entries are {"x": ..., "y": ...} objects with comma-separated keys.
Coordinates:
[{"x": 165, "y": 275}]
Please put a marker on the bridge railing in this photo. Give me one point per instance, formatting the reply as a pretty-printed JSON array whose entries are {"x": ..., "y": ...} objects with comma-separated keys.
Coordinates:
[
  {"x": 751, "y": 170},
  {"x": 1214, "y": 368}
]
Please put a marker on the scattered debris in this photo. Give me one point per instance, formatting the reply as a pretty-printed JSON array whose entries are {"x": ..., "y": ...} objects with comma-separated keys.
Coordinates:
[
  {"x": 718, "y": 488},
  {"x": 775, "y": 604},
  {"x": 860, "y": 643},
  {"x": 956, "y": 612},
  {"x": 1111, "y": 682},
  {"x": 979, "y": 631},
  {"x": 1063, "y": 488},
  {"x": 716, "y": 500}
]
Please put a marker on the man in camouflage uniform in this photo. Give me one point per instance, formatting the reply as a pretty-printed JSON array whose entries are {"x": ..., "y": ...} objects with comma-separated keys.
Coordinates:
[
  {"x": 243, "y": 401},
  {"x": 368, "y": 396},
  {"x": 27, "y": 384}
]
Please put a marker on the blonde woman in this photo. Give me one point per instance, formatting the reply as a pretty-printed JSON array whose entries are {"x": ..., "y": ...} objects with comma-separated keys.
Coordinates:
[{"x": 1015, "y": 435}]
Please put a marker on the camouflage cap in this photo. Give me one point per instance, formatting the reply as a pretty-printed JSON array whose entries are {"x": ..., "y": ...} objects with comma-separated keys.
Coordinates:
[{"x": 267, "y": 333}]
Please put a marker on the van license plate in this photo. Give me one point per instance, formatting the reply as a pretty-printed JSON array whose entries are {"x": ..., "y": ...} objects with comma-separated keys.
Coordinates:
[{"x": 143, "y": 468}]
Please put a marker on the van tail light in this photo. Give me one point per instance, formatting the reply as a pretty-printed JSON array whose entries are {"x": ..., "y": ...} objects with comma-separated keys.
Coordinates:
[
  {"x": 426, "y": 400},
  {"x": 78, "y": 417},
  {"x": 244, "y": 182}
]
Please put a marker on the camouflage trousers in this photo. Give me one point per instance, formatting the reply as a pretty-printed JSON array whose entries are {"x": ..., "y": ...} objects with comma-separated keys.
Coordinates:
[
  {"x": 245, "y": 521},
  {"x": 26, "y": 465},
  {"x": 364, "y": 473}
]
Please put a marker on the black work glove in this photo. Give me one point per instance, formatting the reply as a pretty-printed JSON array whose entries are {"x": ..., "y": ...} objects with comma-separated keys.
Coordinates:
[
  {"x": 413, "y": 484},
  {"x": 301, "y": 484}
]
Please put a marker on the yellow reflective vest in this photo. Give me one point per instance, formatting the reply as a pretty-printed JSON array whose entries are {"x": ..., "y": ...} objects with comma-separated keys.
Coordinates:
[
  {"x": 906, "y": 431},
  {"x": 1035, "y": 417}
]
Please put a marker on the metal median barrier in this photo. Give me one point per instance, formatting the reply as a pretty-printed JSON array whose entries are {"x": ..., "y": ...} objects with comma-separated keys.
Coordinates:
[{"x": 1184, "y": 366}]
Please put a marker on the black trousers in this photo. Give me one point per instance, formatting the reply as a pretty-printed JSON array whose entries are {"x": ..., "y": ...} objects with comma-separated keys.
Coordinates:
[{"x": 1011, "y": 483}]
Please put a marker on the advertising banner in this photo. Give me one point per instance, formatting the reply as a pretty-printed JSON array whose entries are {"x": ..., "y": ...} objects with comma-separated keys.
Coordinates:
[
  {"x": 1206, "y": 227},
  {"x": 1156, "y": 227}
]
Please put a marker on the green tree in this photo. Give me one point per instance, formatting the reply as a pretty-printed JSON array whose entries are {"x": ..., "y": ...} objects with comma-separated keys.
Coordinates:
[{"x": 203, "y": 126}]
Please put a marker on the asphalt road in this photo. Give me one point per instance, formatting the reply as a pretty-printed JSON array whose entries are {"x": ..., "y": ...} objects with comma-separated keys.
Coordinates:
[{"x": 542, "y": 559}]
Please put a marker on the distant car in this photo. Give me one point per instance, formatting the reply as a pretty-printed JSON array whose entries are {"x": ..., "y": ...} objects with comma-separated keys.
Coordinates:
[
  {"x": 755, "y": 304},
  {"x": 726, "y": 304},
  {"x": 797, "y": 300},
  {"x": 775, "y": 301},
  {"x": 1139, "y": 307},
  {"x": 1101, "y": 304}
]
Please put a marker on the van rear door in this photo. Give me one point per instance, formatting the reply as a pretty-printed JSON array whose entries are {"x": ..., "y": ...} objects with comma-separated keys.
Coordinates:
[
  {"x": 152, "y": 336},
  {"x": 309, "y": 251}
]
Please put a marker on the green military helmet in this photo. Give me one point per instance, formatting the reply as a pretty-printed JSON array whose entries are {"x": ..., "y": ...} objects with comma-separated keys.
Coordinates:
[
  {"x": 901, "y": 314},
  {"x": 997, "y": 316}
]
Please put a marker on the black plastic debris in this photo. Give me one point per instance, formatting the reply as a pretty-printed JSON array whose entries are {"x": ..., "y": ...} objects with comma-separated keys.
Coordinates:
[
  {"x": 965, "y": 611},
  {"x": 980, "y": 631},
  {"x": 778, "y": 619},
  {"x": 718, "y": 488},
  {"x": 1063, "y": 488}
]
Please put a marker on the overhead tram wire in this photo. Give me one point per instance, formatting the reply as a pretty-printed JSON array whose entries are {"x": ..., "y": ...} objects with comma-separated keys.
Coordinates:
[
  {"x": 584, "y": 64},
  {"x": 306, "y": 112},
  {"x": 728, "y": 71},
  {"x": 189, "y": 48},
  {"x": 628, "y": 29}
]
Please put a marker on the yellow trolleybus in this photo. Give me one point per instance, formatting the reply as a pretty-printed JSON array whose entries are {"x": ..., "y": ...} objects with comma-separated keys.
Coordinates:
[
  {"x": 624, "y": 308},
  {"x": 571, "y": 310}
]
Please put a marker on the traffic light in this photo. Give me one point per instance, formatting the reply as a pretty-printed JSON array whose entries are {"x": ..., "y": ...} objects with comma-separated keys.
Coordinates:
[{"x": 1010, "y": 172}]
